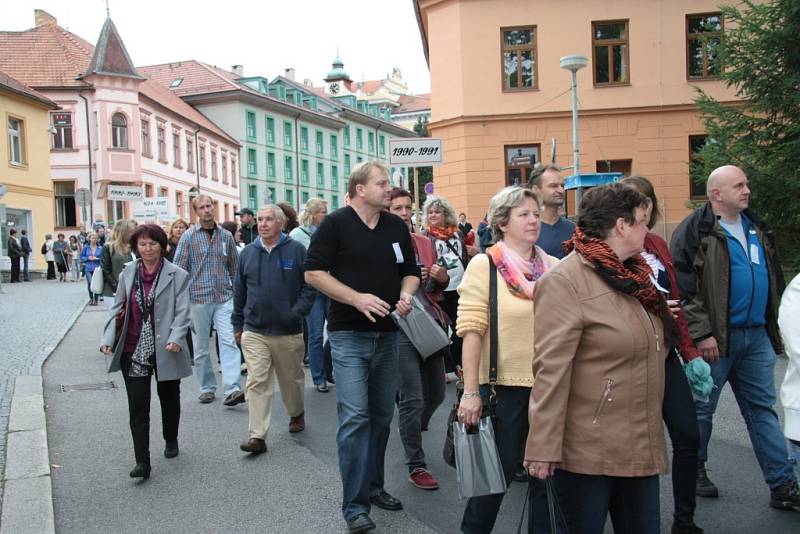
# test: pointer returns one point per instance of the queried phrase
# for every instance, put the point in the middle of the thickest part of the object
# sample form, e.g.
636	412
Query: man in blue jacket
270	300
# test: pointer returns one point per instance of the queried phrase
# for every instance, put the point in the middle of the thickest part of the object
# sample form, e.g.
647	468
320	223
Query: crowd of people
577	339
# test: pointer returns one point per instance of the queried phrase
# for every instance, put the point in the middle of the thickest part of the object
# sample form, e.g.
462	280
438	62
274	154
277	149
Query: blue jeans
230	360
749	367
320	366
366	368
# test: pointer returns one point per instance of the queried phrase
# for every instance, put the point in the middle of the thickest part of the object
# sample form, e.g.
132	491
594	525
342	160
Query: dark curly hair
153	231
601	207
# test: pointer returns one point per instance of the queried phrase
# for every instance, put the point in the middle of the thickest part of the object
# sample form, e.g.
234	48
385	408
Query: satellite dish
553	151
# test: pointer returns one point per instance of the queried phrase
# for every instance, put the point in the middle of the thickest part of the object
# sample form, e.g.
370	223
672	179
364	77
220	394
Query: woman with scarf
146	336
453	254
602	334
514	219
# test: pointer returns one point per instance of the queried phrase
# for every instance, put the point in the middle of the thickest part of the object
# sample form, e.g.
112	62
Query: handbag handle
556	515
493	334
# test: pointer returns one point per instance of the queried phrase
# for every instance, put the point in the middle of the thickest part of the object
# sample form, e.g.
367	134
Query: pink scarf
520	274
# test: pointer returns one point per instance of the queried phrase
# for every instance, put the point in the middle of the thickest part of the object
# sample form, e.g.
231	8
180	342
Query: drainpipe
91	178
197	158
297	158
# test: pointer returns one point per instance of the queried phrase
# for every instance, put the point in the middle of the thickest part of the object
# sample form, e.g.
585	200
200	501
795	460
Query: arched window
119	131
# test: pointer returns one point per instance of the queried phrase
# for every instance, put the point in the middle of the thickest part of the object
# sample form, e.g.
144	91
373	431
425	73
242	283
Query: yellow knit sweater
514	324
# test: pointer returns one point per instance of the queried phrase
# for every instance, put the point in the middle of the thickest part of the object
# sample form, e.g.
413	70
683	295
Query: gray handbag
427	335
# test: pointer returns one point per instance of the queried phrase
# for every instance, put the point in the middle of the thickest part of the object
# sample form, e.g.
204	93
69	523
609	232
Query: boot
704	487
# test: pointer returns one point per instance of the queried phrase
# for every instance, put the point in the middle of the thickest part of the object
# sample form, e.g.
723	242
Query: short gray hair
440	204
538	171
277	212
503	202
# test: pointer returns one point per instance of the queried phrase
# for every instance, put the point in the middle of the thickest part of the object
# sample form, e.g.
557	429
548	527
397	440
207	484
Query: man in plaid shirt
208	253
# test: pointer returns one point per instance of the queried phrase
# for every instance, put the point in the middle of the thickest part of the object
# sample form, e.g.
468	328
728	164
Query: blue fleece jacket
270	295
749	279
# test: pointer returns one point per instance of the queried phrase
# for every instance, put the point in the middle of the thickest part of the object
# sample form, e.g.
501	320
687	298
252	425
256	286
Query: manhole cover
88	387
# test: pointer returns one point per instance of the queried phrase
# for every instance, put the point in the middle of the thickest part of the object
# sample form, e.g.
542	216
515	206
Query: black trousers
15	269
681	420
138	390
450	307
51	270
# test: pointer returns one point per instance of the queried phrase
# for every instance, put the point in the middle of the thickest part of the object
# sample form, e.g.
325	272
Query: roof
370	86
110	57
10	84
196	77
411	104
337	71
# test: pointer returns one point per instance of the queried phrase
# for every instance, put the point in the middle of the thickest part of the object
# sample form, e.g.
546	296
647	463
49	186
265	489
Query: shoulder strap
454	251
492	323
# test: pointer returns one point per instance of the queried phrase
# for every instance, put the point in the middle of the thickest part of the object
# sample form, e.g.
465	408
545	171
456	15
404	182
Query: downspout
297	158
91	178
197	158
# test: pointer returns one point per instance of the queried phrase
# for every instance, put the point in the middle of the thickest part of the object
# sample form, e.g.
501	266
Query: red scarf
443	234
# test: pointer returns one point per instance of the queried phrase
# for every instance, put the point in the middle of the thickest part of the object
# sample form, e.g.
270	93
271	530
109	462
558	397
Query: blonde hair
361	173
174	223
313	206
121	236
503	202
440	204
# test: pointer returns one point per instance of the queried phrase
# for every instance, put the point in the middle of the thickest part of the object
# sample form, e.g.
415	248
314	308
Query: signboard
156	206
428	188
415	152
124	192
83	197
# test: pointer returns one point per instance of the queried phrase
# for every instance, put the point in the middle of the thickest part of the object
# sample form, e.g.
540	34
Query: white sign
124	192
415	152
156	206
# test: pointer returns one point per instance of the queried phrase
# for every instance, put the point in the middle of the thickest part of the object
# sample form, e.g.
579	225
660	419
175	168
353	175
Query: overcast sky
265	36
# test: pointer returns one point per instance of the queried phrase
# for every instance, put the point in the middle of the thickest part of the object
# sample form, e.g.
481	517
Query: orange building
497	91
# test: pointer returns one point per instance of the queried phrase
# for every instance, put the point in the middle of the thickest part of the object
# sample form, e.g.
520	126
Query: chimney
289	73
238	70
42	17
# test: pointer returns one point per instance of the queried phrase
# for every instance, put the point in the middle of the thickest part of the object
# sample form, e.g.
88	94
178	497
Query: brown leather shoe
297	423
254	446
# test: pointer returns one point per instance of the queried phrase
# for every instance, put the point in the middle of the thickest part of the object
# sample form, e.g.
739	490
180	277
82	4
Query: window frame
201	152
524	169
176	148
61	131
519	48
689	38
119	133
692	196
271	163
304	139
334	141
161	141
63	209
190	154
288	167
250	129
20	137
320	174
213	162
252	164
609	43
269	126
287	135
319	139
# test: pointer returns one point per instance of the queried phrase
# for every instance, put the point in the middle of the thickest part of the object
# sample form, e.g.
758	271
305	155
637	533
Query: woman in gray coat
146	335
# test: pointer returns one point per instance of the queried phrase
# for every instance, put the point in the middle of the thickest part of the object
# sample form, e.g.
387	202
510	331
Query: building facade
117	128
499	95
25	166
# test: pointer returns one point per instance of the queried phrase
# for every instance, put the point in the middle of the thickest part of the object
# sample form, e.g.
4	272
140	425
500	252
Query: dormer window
176	83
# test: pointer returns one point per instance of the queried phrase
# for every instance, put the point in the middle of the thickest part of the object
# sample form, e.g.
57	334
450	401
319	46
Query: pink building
118	128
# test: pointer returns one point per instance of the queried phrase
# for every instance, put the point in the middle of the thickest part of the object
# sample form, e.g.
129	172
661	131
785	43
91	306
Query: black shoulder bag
449	452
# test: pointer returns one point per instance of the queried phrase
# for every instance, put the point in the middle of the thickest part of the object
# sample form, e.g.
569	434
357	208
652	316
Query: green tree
760	54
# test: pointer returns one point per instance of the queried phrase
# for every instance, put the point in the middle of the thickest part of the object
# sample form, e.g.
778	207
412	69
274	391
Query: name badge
754	254
398	253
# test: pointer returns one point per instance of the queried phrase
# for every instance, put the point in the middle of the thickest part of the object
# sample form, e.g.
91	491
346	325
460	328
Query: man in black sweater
362	257
26	254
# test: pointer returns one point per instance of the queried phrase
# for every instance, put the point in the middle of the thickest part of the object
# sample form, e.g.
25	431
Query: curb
28	494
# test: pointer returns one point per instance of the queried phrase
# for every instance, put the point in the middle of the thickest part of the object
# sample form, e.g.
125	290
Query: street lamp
574	64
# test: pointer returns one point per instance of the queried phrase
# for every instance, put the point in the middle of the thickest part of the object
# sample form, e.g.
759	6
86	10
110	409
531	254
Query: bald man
730	283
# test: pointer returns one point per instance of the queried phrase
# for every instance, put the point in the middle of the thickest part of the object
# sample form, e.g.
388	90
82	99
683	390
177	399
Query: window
224	168
334	147
519	58
383	145
214	175
288	168
304	171
334	202
610	52
62	122
304	197
371	142
519	161
115	211
16	143
320	143
119	131
289	196
334	176
163	192
148	190
347	136
252	196
304	139
146	148
162	143
347	165
287	134
251	126
66	214
251	162
202	159
180	208
359	159
359	139
234	183
270	131
271	165
176	149
320	175
189	154
272	194
615	165
697	191
703	35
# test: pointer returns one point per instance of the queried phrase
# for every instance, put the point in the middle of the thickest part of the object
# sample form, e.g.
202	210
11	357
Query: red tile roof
409	104
370	86
10	84
197	77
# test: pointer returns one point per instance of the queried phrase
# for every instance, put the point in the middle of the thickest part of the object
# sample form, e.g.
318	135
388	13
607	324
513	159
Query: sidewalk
213	487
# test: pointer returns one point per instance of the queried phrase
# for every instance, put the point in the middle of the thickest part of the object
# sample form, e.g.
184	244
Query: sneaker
322	388
237	397
786	497
207	397
703	486
423	479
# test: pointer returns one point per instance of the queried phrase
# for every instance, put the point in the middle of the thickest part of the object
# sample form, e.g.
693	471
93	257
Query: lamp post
574	64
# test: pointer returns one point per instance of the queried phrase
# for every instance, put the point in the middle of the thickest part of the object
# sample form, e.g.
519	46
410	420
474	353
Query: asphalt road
213	487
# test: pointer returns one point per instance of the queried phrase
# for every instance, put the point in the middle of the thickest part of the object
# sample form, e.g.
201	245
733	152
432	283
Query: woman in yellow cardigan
514	219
